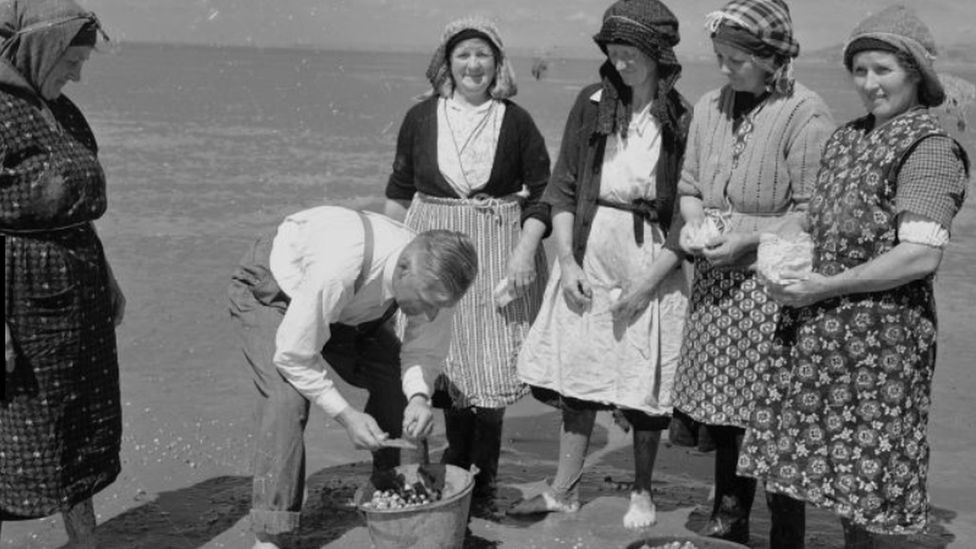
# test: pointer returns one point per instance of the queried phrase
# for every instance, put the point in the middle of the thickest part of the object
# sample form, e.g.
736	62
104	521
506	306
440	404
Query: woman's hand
798	289
686	238
575	286
521	267
724	250
631	304
9	355
117	299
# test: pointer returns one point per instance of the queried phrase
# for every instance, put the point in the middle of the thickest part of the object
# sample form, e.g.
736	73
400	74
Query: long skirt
481	365
60	419
590	356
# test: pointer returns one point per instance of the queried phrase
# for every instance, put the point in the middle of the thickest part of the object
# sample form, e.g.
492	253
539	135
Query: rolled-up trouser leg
278	462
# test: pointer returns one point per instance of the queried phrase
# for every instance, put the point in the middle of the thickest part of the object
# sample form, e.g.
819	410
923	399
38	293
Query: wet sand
187	416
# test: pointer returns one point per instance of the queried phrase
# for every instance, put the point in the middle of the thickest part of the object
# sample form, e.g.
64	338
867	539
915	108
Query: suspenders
369	242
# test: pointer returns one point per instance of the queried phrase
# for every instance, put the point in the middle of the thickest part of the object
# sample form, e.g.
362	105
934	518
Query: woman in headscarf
752	156
843	423
609	330
469	159
60	419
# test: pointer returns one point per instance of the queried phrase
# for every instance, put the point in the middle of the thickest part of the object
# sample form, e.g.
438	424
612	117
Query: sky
555	28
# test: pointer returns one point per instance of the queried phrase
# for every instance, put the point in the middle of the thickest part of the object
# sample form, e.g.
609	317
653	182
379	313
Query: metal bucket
438	525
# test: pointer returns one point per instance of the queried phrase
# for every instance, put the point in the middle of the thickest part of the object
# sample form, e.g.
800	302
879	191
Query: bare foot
642	513
543	503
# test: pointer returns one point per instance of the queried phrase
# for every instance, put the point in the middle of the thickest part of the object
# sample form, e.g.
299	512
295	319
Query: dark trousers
474	437
364	357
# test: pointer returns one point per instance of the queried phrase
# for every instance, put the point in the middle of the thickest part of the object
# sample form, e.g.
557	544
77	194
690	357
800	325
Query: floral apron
842	421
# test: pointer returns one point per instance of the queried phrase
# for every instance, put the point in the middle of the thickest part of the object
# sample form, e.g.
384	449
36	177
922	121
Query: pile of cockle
392	491
672	545
411	495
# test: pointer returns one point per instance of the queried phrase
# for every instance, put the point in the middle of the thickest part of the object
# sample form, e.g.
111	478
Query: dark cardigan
575	182
520	159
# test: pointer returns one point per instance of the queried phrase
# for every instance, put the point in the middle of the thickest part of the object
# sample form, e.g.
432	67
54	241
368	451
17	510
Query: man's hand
418	418
362	429
9	355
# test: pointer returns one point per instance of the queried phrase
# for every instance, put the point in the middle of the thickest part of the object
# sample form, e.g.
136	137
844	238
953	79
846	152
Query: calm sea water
291	126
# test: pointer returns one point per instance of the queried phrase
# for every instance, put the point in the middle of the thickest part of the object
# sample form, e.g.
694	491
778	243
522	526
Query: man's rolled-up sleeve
303	333
424	350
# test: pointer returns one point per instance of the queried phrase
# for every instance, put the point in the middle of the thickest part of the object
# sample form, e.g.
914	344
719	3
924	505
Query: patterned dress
752	162
842	421
60	419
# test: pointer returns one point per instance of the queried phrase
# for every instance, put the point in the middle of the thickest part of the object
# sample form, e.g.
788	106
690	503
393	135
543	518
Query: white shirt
316	258
467	139
629	168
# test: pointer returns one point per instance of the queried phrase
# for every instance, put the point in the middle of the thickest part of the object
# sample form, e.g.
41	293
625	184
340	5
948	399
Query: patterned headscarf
764	28
768	20
439	71
649	26
35	35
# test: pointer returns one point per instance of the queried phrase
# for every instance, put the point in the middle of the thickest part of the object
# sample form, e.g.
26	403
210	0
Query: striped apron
481	366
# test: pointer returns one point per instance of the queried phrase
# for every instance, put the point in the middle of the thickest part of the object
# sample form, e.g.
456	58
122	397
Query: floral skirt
842	422
728	337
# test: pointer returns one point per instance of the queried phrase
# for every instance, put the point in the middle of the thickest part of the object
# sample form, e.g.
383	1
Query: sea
201	125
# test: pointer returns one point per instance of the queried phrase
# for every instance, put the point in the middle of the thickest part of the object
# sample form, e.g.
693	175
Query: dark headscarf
649	26
35	35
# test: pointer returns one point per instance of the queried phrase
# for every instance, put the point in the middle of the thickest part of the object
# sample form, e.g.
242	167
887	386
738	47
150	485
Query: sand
187	417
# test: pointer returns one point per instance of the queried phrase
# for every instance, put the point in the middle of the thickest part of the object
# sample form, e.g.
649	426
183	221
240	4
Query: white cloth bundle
777	254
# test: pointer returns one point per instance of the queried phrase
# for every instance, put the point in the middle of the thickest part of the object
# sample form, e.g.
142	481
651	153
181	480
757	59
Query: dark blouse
520	159
48	179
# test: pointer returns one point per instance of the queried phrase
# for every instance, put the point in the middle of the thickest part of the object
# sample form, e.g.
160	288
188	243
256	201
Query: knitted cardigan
520	159
777	166
575	182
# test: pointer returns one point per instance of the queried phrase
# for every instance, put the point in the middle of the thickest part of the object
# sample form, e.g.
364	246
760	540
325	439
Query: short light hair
445	261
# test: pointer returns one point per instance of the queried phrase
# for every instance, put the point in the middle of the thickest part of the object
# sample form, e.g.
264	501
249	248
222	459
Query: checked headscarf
768	20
